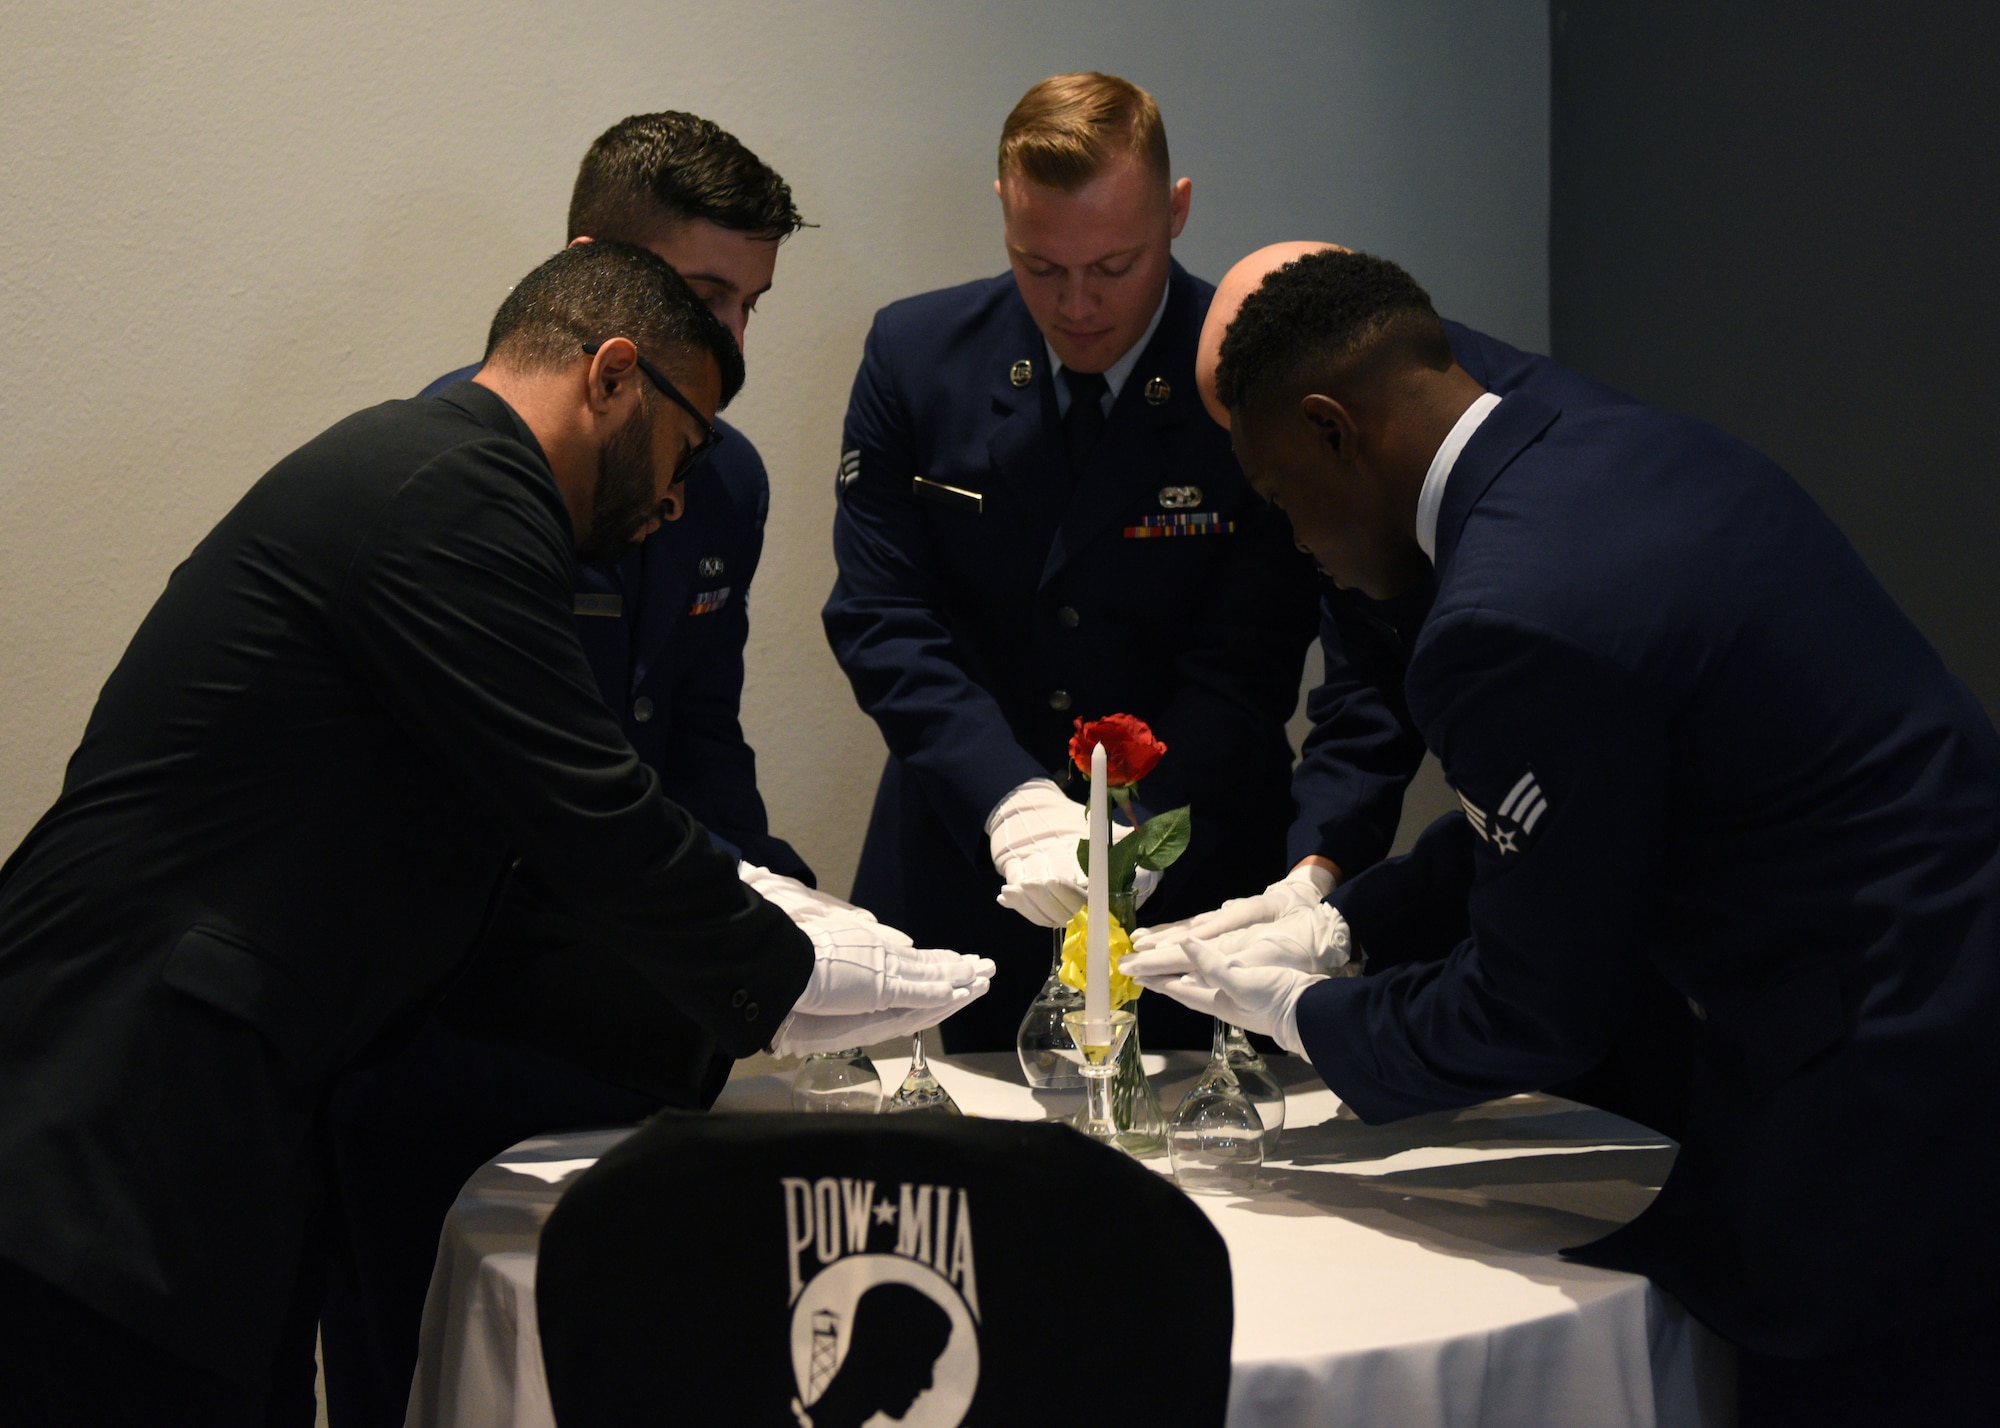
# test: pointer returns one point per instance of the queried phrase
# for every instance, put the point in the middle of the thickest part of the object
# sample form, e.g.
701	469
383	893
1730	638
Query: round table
1404	1274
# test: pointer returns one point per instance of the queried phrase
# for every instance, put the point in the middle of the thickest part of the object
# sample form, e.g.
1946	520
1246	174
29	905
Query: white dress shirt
1432	496
1117	372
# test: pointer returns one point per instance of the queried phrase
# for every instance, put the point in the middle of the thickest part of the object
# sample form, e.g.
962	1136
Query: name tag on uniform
709	601
957	497
1186	523
608	606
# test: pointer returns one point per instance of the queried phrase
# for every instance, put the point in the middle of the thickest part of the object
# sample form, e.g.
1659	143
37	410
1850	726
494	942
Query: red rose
1130	750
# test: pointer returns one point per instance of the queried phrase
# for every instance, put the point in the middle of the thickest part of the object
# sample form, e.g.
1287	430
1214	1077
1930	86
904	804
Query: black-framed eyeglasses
710	436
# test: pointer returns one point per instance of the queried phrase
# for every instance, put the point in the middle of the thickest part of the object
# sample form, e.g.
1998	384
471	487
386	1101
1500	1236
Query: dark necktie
1083	423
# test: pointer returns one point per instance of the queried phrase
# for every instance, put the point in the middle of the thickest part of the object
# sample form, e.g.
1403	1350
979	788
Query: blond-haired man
1038	523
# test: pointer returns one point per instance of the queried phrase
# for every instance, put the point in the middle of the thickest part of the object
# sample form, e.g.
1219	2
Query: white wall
226	225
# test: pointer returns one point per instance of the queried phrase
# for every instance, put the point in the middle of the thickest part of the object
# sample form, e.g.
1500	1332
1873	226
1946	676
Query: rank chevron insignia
1509	827
1475	815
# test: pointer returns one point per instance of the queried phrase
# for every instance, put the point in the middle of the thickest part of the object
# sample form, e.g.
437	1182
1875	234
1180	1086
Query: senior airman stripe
1525	803
1473	813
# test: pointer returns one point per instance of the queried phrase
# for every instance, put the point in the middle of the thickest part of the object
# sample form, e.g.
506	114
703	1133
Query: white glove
802	904
1264	999
803	1033
857	969
866	988
1311	939
1033	833
1305	886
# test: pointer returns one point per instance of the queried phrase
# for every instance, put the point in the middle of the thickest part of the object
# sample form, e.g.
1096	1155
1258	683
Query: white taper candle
1097	948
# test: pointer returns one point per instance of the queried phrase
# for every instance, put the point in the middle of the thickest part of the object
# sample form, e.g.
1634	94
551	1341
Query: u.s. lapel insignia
1511	826
1157	391
1022	373
1179	498
708	567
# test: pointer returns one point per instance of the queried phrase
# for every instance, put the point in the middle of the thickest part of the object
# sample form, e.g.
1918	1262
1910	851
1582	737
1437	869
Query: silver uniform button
1059	700
1068	618
642	709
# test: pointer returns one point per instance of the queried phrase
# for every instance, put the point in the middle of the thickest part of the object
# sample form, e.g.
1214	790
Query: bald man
1363	750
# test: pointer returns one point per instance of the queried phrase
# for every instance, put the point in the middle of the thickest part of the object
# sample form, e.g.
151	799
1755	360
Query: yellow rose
1075	940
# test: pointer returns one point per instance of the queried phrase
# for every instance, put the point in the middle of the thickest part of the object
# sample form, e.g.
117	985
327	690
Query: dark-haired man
1362	751
664	624
1036	523
1688	729
357	708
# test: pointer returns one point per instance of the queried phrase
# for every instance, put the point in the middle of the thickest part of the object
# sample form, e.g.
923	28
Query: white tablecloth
1402	1275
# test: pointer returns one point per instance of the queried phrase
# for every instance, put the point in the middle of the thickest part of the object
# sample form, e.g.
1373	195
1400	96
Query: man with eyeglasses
355	716
627	514
663	619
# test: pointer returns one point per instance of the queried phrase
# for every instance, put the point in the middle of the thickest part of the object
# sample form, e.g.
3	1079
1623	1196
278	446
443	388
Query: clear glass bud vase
1043	1043
1135	1105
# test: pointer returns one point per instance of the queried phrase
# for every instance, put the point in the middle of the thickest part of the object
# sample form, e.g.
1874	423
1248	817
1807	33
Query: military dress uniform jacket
982	606
356	705
1689	728
1362	751
665	633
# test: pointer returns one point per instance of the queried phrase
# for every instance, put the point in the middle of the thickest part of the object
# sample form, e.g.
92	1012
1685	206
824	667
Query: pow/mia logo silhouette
885	1303
1511	826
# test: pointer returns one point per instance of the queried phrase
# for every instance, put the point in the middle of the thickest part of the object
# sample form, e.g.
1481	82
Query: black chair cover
813	1271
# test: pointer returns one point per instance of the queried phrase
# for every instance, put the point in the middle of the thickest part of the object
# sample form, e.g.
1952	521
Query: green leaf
1162	838
1124	863
1124	860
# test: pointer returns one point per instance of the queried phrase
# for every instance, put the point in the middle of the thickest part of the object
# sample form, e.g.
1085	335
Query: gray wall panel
1785	219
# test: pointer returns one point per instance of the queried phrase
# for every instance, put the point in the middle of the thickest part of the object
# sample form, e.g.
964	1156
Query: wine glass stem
1097	1084
1218	1050
917	1063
